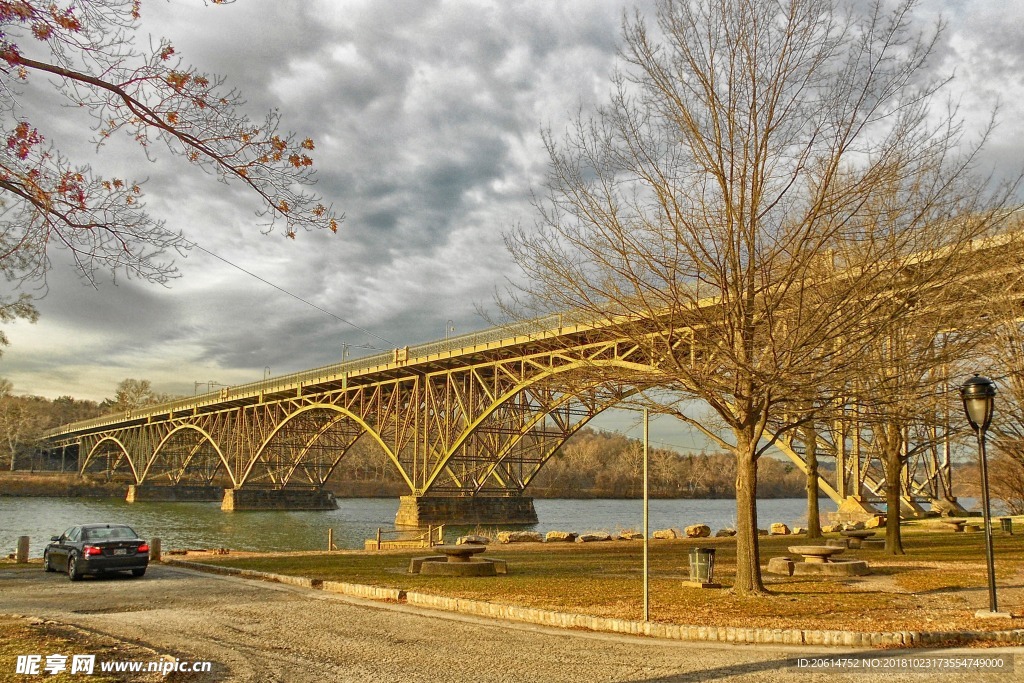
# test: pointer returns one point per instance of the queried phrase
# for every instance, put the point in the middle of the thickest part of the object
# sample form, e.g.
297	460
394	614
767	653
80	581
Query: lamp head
978	394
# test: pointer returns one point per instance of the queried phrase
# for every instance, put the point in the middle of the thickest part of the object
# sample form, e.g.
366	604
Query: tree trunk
748	563
893	491
811	456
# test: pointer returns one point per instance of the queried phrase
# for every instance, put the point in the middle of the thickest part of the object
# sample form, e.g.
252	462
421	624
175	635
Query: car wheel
73	572
141	571
46	562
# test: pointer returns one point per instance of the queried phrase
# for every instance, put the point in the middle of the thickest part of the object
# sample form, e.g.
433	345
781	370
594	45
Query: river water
204	525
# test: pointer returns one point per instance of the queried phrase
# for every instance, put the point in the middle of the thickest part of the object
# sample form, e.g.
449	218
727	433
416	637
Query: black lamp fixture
979	397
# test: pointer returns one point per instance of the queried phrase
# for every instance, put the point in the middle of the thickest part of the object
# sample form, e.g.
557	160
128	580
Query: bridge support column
150	494
419	511
278	499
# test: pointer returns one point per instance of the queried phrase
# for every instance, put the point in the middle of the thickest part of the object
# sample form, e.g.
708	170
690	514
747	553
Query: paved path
257	631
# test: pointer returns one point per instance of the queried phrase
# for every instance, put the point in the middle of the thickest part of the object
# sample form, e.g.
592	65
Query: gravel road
258	631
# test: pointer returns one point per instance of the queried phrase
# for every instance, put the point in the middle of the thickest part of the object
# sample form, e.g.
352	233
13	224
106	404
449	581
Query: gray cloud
426	117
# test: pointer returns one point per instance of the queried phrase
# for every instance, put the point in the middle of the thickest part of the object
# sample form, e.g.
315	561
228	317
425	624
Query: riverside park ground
936	587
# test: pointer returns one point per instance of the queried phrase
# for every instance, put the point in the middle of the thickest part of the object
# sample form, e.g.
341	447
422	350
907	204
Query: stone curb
721	634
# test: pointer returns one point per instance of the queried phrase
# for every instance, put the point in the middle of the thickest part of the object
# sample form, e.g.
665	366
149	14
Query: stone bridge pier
277	499
421	511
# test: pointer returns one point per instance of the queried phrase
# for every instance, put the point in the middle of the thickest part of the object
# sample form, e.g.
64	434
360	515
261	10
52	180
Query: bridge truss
474	416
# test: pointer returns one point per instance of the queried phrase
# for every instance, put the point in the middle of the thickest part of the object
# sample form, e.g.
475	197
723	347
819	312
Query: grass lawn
936	586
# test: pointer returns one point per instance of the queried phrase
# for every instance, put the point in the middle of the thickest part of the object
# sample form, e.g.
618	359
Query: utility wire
296	296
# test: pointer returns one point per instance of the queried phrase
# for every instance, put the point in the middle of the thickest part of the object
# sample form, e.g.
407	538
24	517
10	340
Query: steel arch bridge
467	422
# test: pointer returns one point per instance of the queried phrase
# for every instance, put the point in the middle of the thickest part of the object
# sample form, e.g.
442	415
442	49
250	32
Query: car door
59	551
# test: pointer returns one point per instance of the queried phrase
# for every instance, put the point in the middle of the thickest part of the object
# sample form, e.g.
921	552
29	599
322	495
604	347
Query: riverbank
936	588
57	484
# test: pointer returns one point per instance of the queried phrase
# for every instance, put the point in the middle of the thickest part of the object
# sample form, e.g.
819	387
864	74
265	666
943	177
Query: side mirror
54	538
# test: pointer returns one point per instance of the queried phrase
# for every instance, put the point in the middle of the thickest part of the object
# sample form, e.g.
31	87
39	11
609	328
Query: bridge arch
204	438
337	415
123	456
536	418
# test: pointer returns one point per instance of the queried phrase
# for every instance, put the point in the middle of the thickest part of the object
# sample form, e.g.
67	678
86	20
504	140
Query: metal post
378	538
989	557
647	528
330	539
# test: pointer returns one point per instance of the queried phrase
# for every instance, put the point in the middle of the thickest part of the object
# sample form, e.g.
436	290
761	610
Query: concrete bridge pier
139	493
420	511
277	499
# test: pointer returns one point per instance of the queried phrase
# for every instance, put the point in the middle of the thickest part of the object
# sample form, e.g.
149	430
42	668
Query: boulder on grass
875	522
559	537
726	532
779	529
592	537
631	536
667	534
698	531
472	539
519	537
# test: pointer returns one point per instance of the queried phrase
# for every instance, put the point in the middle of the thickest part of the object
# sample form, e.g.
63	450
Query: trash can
702	565
1007	524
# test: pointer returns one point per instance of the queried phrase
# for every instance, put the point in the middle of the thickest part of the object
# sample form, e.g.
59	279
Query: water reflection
204	525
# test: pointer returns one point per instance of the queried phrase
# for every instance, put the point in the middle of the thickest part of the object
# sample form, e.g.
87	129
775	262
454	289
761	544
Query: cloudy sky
427	118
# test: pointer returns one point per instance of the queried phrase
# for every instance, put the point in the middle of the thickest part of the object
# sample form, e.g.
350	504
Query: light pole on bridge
209	386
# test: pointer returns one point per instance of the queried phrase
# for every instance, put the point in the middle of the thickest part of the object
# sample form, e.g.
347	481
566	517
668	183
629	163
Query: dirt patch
24	635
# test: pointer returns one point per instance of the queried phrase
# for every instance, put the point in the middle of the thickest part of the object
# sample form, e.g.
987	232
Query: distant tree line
23	419
593	464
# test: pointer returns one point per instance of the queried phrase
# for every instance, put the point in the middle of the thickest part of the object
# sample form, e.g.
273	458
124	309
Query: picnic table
816	554
459	553
856	537
957	524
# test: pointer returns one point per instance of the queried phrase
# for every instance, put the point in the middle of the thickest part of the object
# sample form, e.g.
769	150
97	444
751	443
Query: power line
296	296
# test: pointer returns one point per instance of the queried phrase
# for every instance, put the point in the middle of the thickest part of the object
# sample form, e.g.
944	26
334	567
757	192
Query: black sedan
97	549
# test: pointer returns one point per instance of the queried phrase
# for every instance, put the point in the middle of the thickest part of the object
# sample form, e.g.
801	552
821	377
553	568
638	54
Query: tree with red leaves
88	52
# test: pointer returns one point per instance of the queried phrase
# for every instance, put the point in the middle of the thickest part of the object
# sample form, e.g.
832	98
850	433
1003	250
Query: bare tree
22	419
1004	361
88	52
719	209
135	393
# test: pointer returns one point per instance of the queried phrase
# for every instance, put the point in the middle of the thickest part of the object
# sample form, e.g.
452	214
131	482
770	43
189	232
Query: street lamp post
978	394
647	520
449	327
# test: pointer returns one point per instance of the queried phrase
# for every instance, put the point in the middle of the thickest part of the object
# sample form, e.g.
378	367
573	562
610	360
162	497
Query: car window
75	534
67	534
121	532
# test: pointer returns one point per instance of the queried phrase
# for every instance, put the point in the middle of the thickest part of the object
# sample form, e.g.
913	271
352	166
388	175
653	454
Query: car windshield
107	533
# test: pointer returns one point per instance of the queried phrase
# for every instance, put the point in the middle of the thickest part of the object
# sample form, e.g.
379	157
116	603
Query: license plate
120	551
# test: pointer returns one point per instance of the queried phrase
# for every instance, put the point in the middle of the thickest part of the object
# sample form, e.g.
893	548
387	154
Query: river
204	525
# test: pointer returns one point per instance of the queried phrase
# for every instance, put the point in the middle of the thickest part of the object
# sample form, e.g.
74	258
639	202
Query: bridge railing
453	344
